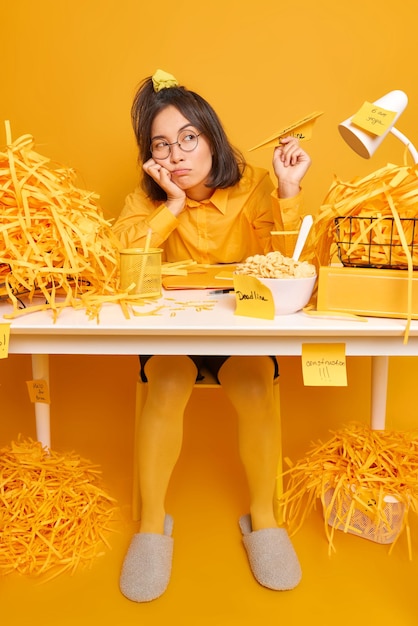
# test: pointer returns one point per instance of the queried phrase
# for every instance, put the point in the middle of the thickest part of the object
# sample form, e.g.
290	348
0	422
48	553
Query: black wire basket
373	241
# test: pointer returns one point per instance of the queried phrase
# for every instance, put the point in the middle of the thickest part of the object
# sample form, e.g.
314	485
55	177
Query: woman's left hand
290	164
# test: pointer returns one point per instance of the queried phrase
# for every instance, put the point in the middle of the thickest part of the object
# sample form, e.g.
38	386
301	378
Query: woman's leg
248	382
160	435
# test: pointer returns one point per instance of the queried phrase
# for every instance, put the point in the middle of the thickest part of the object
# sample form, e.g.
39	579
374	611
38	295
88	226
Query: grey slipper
272	557
146	569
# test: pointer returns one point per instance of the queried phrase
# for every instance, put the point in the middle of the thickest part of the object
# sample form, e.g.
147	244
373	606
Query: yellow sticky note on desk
38	391
253	299
4	340
373	119
324	365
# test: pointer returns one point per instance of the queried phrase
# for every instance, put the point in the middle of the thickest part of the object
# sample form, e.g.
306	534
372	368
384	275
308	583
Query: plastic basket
374	241
140	271
363	521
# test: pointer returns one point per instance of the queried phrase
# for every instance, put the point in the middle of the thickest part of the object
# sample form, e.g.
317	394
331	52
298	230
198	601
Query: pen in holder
140	271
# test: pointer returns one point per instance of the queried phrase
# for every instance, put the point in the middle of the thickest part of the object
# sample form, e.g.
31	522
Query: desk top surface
197	312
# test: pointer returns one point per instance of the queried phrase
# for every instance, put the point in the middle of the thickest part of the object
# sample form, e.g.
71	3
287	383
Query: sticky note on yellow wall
4	340
324	365
38	391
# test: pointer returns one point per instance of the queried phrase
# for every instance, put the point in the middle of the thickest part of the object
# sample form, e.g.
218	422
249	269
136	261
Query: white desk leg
380	371
40	371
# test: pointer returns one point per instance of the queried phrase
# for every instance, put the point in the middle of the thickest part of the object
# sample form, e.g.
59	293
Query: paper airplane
302	130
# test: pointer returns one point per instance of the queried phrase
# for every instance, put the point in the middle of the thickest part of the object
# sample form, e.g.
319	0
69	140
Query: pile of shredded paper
391	191
54	240
357	470
54	515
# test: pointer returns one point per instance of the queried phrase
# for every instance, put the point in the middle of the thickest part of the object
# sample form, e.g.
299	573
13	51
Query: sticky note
324	365
253	299
4	340
373	119
366	501
302	130
38	391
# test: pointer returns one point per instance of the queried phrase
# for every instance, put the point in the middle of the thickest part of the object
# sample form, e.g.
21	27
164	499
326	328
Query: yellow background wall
70	68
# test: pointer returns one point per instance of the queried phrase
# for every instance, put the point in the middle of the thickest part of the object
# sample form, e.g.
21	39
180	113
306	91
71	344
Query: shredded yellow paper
358	473
388	200
391	191
54	240
54	514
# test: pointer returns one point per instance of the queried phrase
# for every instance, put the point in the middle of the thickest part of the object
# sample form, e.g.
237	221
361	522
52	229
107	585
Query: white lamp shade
365	144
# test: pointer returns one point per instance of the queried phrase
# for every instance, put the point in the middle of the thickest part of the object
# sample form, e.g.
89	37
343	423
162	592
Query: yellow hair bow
163	80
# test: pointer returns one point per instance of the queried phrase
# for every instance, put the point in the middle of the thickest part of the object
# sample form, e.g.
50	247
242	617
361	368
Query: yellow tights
248	382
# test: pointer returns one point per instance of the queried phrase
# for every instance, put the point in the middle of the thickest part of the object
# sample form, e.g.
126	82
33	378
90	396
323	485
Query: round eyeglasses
187	141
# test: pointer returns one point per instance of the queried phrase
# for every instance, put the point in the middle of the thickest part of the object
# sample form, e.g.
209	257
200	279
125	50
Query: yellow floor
92	410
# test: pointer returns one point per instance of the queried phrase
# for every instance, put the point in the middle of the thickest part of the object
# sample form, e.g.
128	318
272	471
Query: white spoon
302	236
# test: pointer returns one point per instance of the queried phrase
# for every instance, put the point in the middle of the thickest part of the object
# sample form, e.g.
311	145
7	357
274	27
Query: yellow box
366	291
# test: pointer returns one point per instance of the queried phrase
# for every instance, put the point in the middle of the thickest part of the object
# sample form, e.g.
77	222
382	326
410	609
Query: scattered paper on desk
302	130
38	391
4	340
324	365
253	299
373	119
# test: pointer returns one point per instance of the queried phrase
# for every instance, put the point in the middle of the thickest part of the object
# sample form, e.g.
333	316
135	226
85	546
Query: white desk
181	326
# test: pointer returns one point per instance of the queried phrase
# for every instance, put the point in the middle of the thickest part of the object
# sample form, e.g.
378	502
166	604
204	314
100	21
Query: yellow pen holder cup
140	272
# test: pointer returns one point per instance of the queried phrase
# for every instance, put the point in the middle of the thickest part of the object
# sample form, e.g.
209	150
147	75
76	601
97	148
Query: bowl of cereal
290	282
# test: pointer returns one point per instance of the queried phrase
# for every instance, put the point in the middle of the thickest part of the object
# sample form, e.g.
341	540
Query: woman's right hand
176	197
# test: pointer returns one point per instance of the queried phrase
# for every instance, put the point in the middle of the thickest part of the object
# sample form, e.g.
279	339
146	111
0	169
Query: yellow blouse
227	228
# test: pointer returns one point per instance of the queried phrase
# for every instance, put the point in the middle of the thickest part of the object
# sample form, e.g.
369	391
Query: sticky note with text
373	119
324	365
253	299
38	391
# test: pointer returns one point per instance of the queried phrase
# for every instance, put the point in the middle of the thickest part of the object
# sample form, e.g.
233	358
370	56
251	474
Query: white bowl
289	294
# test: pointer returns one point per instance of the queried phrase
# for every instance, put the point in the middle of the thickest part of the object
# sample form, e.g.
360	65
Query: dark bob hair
227	162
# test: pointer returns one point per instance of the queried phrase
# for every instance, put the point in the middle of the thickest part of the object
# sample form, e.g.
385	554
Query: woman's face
189	170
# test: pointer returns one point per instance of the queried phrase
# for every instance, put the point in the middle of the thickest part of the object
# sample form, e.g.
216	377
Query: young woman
203	202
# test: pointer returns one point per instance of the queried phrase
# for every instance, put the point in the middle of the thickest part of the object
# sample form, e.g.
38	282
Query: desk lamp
366	143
